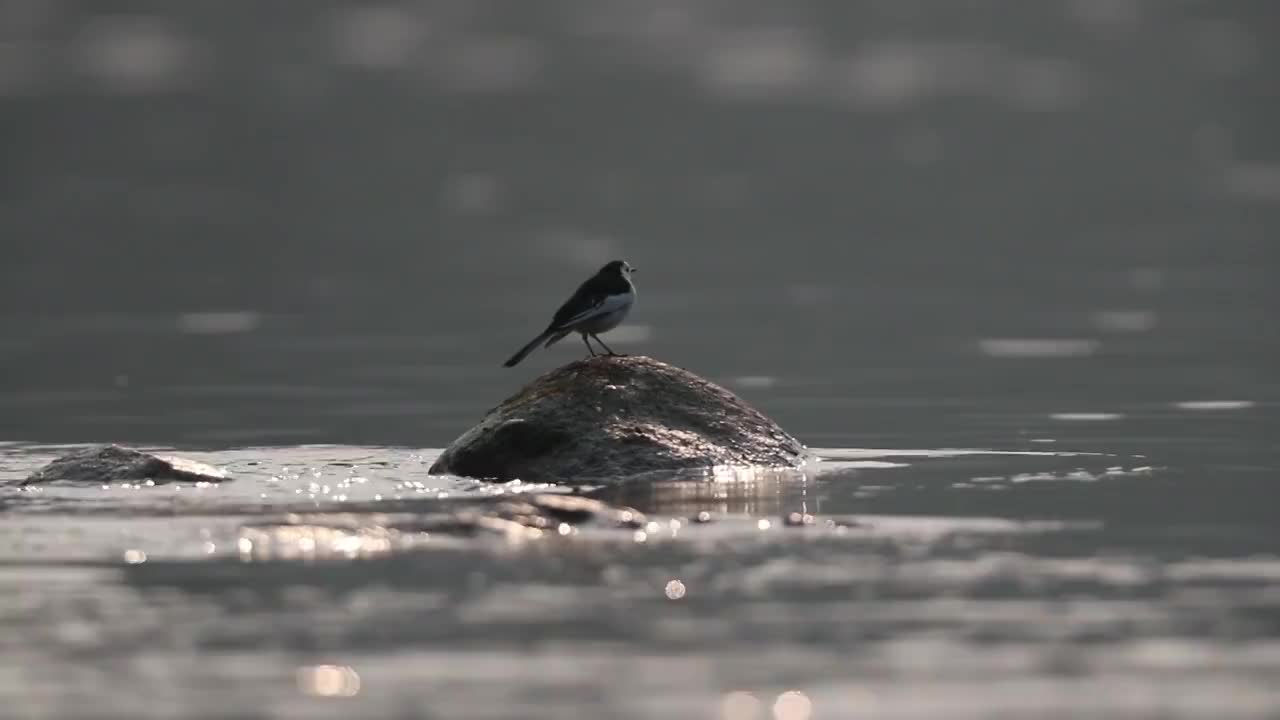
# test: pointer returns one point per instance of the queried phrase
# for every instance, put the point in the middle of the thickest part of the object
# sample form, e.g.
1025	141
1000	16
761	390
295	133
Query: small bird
598	305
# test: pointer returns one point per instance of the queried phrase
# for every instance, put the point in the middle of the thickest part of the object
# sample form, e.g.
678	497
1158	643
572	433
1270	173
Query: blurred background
230	223
1040	226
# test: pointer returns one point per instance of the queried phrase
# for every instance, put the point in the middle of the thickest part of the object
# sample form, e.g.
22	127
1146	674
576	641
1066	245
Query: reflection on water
329	681
1033	348
889	582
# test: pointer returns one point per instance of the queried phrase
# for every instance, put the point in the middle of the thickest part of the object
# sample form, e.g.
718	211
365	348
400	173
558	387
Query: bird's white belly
604	322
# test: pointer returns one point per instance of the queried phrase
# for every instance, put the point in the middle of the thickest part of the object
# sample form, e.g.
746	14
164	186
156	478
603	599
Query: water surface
971	583
1012	268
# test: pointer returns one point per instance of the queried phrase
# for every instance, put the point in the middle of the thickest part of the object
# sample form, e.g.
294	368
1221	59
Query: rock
106	464
335	533
542	510
610	418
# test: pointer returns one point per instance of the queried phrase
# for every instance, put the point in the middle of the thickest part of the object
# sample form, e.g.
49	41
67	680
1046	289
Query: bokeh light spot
675	590
792	705
328	680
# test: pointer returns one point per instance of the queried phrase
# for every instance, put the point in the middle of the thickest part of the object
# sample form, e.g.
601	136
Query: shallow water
957	583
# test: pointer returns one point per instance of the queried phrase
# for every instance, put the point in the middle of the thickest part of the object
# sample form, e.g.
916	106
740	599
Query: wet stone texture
106	464
610	418
339	534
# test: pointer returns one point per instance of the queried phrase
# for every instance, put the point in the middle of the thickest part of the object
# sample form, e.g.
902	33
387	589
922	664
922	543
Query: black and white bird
597	306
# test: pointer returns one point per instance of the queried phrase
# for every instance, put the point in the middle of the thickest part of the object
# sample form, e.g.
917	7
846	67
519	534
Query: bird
598	305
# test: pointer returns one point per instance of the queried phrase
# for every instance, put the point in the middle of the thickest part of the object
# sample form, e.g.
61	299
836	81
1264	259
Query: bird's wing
585	304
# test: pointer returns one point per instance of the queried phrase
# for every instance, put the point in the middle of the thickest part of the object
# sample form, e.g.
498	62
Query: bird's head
617	267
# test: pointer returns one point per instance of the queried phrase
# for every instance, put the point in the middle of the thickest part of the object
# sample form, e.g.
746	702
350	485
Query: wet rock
540	512
336	535
106	464
609	418
544	509
798	519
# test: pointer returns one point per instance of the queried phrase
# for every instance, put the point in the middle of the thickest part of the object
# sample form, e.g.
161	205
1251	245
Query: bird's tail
555	337
523	352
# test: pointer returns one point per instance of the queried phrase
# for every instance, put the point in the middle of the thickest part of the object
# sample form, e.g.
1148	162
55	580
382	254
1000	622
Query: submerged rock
607	418
105	464
332	533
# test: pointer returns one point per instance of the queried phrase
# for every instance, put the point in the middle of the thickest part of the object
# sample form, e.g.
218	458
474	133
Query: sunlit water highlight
881	582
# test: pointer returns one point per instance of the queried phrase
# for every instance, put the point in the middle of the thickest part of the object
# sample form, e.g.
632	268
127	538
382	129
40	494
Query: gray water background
298	240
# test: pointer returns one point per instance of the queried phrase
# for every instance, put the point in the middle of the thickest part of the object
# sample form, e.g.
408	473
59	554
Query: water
1062	578
1004	526
1012	271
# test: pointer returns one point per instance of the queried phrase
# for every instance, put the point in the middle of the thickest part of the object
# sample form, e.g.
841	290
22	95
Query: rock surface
611	418
334	533
111	463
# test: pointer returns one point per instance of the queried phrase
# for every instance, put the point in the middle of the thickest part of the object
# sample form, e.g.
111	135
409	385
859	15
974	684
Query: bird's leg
588	344
606	347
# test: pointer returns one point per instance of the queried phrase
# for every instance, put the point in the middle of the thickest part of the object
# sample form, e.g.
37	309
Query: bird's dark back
609	281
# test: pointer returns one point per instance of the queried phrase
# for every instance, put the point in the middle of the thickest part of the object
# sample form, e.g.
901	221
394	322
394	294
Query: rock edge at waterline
105	464
610	418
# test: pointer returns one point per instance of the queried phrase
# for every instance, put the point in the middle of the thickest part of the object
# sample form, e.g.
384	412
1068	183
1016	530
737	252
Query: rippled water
956	583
